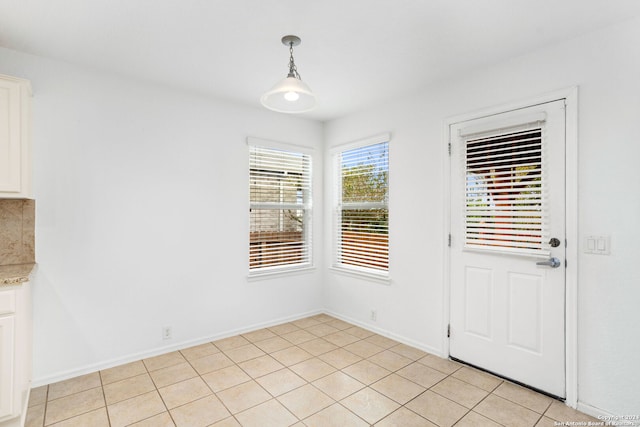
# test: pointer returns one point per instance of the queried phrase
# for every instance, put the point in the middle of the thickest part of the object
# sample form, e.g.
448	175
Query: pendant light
291	94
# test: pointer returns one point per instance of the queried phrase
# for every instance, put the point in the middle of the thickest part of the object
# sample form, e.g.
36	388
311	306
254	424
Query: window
280	209
362	212
505	193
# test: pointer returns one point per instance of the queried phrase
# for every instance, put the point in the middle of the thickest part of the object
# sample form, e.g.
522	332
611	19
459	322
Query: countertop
15	274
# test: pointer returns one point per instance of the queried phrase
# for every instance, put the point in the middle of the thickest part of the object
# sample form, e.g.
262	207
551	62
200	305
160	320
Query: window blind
362	212
280	206
506	194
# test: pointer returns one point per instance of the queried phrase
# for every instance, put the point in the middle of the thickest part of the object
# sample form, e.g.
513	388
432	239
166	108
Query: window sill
263	275
360	274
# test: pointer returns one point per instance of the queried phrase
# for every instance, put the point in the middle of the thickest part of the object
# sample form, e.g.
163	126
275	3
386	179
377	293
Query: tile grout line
366	386
157	390
69	395
391	372
104	398
334	401
256	378
46	405
476	405
287	367
387	362
251	379
492	392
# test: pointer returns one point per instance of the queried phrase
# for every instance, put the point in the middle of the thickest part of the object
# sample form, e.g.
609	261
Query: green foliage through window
363	239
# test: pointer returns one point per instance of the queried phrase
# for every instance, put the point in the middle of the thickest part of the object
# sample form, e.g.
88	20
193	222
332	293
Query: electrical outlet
166	333
374	315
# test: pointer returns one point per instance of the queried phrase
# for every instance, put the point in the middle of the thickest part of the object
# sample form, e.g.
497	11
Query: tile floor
317	371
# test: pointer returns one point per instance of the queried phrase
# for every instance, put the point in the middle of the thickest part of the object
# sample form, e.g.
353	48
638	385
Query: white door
507	311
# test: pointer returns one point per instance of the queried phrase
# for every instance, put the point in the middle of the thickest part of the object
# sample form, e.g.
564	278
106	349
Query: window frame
306	206
375	274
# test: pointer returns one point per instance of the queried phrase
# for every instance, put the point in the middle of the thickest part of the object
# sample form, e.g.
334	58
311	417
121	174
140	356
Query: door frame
570	95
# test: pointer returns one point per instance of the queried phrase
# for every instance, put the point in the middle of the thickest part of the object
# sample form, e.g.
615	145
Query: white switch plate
599	245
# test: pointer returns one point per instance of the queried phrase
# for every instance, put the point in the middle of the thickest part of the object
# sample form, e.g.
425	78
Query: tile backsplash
17	231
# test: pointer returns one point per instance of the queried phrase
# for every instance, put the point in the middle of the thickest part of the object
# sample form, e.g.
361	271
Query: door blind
506	194
280	203
362	213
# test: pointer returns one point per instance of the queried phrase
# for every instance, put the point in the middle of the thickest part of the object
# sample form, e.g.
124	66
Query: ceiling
354	53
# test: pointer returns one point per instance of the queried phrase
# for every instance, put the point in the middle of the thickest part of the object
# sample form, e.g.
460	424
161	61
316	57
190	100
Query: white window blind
506	194
280	209
362	214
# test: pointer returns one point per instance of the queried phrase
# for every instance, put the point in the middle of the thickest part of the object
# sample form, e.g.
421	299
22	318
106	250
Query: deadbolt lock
554	242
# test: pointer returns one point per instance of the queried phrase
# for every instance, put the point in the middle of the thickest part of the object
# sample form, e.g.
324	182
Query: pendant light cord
293	70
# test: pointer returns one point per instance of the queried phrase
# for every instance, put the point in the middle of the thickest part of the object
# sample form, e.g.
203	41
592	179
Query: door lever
551	262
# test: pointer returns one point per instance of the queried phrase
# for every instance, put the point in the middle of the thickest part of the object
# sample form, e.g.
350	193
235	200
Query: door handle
551	262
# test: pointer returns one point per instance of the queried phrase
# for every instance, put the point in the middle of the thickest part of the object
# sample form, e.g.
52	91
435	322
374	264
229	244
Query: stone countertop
15	274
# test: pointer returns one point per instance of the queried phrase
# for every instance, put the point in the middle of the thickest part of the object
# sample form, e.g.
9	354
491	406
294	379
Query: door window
505	194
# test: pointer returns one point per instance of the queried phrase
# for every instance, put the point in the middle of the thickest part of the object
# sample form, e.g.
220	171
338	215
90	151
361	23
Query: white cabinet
15	160
15	353
7	338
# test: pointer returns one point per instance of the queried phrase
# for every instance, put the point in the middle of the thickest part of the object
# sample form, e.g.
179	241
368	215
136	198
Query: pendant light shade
291	94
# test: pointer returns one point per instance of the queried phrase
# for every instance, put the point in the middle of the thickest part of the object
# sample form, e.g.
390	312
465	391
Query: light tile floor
317	371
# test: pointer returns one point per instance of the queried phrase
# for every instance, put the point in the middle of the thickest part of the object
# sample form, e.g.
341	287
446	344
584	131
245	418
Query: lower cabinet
15	353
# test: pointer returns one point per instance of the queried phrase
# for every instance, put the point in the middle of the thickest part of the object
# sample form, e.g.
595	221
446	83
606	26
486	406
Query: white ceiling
354	53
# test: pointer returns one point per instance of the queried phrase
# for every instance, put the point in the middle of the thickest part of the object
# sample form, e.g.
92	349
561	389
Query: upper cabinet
15	156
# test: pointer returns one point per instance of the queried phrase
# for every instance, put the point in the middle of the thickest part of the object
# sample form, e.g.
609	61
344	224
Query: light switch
600	245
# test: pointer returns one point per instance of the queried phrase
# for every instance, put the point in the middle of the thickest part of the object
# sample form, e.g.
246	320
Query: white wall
606	67
142	217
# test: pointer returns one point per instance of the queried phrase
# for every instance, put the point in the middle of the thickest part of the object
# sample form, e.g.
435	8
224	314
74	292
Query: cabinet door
10	161
6	365
12	151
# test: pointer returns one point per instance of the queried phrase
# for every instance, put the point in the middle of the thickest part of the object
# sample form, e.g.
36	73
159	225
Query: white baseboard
94	367
13	422
594	412
384	332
